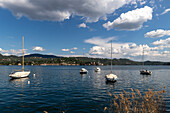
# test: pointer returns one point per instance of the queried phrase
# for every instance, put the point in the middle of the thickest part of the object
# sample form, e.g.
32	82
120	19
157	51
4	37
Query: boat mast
143	59
111	56
23	53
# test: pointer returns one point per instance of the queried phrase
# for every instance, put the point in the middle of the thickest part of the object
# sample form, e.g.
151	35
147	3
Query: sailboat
111	77
20	73
83	71
143	71
97	69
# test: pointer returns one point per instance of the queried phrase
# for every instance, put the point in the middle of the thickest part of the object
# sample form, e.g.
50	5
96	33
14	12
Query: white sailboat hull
19	74
97	69
83	71
145	72
111	77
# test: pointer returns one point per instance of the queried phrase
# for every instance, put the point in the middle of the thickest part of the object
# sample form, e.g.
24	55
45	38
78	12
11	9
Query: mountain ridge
42	59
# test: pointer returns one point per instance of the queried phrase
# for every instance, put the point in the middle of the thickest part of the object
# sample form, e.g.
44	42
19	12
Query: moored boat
111	77
20	73
145	72
97	69
83	71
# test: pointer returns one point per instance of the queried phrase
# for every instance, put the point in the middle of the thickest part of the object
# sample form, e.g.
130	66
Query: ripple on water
62	88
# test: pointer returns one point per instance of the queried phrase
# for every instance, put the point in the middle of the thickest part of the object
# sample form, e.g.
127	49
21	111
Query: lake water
61	88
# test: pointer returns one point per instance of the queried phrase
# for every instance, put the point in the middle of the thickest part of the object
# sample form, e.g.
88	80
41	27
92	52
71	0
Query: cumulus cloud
82	25
162	42
166	52
65	49
166	10
38	48
1	50
99	41
74	48
157	33
12	52
132	20
72	52
60	10
128	50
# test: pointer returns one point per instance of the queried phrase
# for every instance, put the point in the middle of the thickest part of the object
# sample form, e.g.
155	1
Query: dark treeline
39	59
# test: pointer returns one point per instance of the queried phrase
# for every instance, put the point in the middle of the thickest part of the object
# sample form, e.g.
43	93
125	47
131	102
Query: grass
134	102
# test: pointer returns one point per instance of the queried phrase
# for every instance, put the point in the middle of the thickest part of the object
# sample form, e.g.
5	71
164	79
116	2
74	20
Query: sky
86	28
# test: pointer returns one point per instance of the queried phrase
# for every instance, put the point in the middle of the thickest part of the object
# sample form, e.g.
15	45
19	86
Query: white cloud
128	50
166	52
60	10
38	48
82	25
6	54
143	2
157	33
65	49
72	55
75	48
72	52
12	52
99	41
167	10
1	49
162	42
132	20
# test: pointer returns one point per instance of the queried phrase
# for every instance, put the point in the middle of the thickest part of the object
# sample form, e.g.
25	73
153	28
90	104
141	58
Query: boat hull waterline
83	71
145	72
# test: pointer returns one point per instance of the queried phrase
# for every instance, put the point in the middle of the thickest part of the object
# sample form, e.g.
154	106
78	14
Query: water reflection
99	72
146	77
19	82
61	86
82	75
110	83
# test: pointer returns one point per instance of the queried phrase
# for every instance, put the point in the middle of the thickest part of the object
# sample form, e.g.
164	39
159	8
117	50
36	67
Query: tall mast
111	56
23	53
143	59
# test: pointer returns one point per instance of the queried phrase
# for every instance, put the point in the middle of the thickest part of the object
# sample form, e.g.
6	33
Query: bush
134	102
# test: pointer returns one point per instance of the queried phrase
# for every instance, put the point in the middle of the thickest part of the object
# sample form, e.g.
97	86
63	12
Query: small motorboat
111	78
145	72
83	71
97	69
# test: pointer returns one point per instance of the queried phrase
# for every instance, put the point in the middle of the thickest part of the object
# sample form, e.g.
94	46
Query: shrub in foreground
134	102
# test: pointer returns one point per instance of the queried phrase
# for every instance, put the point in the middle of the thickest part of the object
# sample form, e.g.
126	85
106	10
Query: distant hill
38	59
42	56
1	55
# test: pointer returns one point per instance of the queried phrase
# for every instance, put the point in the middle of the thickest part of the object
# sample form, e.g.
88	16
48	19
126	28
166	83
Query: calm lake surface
61	88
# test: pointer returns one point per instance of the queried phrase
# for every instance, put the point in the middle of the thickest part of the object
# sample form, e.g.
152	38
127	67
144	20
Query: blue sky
77	27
